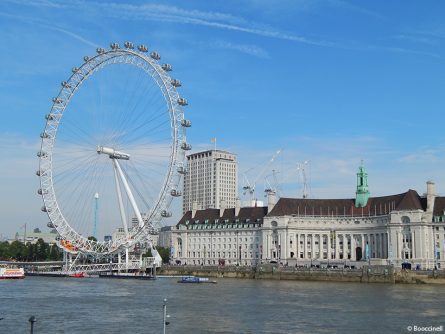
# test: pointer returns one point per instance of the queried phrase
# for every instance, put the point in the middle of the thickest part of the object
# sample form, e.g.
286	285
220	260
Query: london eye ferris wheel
116	133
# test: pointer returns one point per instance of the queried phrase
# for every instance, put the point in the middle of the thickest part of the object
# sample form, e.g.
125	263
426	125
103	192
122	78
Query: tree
41	250
54	253
164	253
4	250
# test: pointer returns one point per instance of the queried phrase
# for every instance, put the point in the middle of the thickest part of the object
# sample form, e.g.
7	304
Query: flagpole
24	235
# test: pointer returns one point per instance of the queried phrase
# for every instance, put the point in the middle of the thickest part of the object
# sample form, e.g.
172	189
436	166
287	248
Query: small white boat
193	279
12	273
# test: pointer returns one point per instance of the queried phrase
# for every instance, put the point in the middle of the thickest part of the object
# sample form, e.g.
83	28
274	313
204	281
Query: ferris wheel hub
112	153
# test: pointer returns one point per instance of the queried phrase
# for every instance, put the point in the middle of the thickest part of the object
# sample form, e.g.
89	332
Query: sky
331	82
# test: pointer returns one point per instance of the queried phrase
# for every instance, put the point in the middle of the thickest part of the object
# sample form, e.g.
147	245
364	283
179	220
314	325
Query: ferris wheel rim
179	145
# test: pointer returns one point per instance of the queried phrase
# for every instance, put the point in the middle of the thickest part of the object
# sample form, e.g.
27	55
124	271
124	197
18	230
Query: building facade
398	229
211	180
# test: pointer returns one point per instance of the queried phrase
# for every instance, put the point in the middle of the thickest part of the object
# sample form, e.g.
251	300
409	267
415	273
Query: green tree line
40	251
164	252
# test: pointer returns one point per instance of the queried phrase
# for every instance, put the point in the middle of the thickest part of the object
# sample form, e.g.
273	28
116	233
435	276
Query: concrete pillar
312	246
337	248
363	246
353	257
304	246
329	246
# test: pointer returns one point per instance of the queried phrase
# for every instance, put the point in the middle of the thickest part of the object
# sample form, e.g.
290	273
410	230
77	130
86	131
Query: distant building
211	180
36	234
165	236
404	230
119	233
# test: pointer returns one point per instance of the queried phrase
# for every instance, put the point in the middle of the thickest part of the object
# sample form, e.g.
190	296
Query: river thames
96	305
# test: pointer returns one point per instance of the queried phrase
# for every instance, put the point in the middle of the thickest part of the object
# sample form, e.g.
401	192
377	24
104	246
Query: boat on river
193	279
79	274
12	273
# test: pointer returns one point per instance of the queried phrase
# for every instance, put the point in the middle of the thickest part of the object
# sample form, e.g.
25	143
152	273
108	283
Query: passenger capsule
155	55
65	84
181	170
186	123
49	117
176	83
142	48
175	193
44	135
129	45
114	46
42	192
38	173
45	209
57	100
167	67
50	225
100	51
165	213
186	147
75	69
86	59
182	101
41	154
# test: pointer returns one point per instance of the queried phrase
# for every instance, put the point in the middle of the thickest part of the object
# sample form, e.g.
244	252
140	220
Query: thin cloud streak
50	27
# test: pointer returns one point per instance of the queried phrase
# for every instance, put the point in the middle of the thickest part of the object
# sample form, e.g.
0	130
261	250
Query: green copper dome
362	193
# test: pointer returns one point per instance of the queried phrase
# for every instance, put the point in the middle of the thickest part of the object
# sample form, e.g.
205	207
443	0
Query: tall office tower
211	180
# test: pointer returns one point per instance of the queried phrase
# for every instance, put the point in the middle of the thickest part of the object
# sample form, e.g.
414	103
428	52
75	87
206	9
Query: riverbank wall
366	274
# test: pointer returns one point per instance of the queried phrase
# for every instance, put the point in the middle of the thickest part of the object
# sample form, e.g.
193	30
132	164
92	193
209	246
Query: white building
210	180
403	228
165	236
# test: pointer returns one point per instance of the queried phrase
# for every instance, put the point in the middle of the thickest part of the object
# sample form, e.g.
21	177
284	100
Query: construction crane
301	168
272	186
249	188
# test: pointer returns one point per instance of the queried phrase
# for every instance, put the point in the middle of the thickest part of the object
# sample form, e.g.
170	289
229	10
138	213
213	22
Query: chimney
237	206
430	196
222	207
271	200
194	208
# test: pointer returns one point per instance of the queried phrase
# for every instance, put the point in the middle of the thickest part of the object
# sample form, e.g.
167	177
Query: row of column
335	246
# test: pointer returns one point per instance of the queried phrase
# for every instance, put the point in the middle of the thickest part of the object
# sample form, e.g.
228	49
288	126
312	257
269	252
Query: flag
213	140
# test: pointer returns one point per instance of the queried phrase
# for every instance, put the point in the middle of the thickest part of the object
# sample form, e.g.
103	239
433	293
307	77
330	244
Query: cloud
52	26
252	50
174	14
349	6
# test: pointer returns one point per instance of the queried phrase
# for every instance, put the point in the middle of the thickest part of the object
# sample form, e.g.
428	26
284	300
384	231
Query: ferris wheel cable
123	118
136	120
154	117
163	122
70	164
145	139
141	197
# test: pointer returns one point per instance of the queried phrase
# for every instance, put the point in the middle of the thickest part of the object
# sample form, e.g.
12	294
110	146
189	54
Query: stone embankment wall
367	274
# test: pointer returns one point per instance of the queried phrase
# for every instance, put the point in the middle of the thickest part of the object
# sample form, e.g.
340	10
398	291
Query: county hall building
403	228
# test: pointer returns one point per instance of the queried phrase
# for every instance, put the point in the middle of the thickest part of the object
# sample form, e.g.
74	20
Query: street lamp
165	316
32	320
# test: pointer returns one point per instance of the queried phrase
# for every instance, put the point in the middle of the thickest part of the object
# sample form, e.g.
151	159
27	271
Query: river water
98	305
